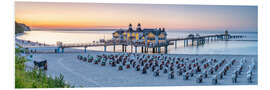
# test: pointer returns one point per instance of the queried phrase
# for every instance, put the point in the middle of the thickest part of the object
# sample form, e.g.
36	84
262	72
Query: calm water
216	47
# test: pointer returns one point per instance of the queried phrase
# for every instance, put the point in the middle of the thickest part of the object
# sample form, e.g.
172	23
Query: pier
202	39
146	40
145	48
193	41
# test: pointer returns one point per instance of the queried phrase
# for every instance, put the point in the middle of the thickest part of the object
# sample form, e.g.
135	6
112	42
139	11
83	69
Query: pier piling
131	48
135	49
184	42
105	48
114	47
85	49
159	49
123	48
62	50
58	50
166	49
192	42
175	43
145	49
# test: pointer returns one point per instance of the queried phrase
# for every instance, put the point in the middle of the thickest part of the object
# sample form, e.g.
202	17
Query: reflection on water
220	47
211	47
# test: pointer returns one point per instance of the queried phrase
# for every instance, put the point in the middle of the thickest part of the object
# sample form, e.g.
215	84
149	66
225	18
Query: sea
242	46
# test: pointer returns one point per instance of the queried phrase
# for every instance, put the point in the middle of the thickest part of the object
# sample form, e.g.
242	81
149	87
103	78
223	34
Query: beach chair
128	66
180	72
171	75
186	76
138	67
199	79
153	68
103	63
234	78
156	73
165	70
220	75
41	64
214	80
113	64
120	68
205	74
90	59
144	71
249	78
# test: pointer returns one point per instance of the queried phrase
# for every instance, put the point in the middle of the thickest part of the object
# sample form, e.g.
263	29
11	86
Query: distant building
150	36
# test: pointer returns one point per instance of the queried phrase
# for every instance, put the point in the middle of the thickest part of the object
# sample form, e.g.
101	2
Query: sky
52	15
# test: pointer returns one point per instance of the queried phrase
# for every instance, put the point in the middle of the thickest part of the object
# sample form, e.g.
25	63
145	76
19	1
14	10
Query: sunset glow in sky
41	15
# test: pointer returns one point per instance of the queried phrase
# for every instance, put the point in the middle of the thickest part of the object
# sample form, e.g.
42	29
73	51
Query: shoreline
19	34
81	51
179	50
172	50
50	50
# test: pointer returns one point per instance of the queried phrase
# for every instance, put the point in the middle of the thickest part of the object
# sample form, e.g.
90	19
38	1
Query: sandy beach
85	74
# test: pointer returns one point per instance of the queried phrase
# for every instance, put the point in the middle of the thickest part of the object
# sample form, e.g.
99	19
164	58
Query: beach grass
35	78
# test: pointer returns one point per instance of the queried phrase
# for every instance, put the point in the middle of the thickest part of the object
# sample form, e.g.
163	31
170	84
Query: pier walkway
195	40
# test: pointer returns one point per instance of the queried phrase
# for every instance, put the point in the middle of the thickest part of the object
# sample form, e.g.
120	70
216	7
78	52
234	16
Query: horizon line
96	29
